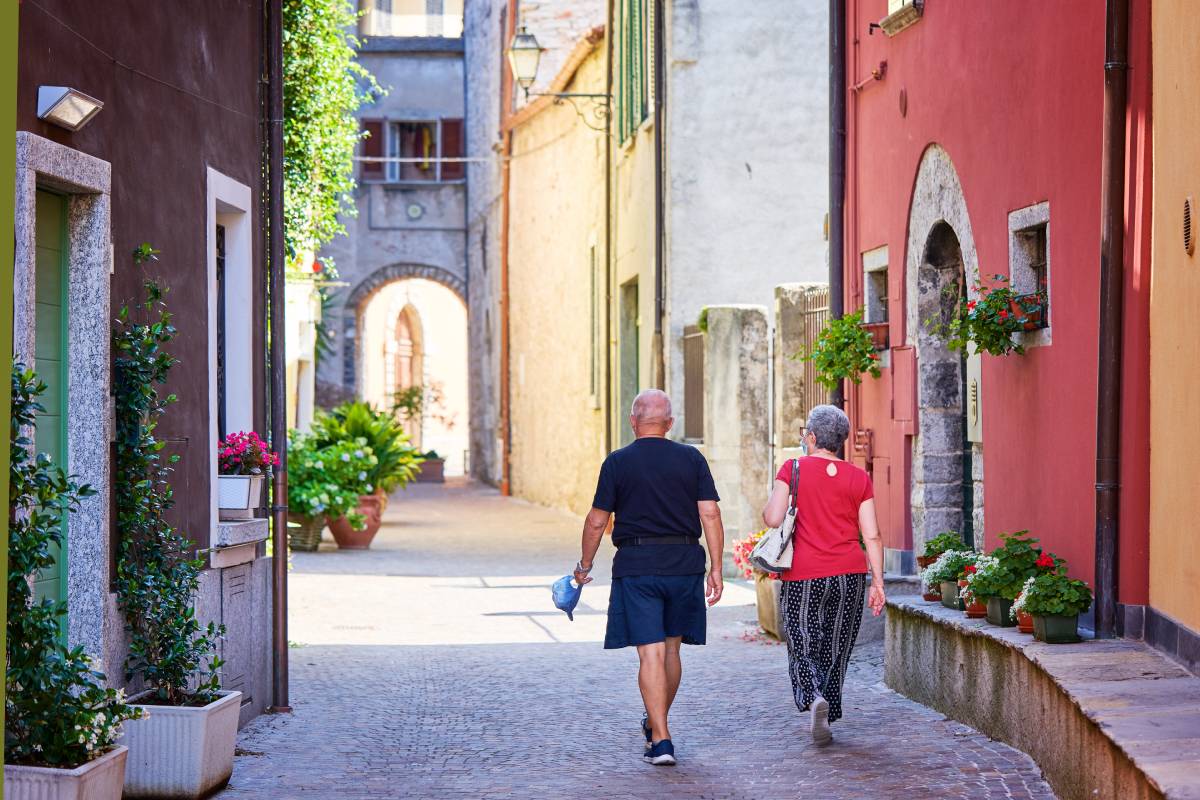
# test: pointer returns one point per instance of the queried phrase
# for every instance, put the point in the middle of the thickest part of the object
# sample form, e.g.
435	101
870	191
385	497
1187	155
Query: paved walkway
433	666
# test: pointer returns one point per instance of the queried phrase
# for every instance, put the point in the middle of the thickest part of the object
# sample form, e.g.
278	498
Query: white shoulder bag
773	553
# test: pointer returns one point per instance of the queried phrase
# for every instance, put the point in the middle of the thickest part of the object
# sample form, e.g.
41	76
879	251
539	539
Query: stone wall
736	413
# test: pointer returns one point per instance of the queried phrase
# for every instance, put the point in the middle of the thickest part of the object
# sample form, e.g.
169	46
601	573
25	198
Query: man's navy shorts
643	609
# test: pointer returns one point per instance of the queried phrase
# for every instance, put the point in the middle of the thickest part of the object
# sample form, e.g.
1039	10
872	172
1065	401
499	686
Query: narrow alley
435	666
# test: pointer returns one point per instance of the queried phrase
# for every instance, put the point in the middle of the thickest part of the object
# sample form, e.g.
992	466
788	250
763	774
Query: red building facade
956	172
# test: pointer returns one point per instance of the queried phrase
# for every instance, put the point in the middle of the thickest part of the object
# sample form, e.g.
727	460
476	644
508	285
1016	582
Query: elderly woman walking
821	600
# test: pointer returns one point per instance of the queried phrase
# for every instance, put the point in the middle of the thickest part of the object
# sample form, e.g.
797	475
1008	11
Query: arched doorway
942	266
405	362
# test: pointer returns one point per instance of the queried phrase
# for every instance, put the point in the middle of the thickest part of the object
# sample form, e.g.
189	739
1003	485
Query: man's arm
594	525
714	537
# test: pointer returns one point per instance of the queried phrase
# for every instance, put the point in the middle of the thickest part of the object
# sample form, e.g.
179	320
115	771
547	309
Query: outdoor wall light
524	54
66	107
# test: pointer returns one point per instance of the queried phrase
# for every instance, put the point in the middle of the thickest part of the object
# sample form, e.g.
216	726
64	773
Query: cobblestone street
435	666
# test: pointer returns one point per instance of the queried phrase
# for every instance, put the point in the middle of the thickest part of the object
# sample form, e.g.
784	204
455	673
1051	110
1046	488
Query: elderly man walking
662	494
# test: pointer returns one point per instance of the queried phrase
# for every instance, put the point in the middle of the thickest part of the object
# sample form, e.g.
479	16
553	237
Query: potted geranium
999	576
61	720
243	460
950	540
432	469
1055	602
989	322
184	747
946	573
844	350
765	587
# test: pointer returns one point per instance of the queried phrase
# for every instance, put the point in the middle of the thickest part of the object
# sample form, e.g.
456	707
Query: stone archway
947	470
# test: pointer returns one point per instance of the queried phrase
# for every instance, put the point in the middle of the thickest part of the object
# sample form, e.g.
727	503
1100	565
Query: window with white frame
875	285
1029	255
403	151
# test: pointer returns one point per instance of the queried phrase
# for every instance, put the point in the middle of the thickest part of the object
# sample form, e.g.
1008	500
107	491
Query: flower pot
306	537
999	612
925	561
1024	622
1030	320
950	594
432	470
371	507
1056	628
182	752
99	779
879	334
239	496
766	592
932	593
976	609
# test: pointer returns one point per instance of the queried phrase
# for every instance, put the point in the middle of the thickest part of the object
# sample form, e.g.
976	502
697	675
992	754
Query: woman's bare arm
776	508
869	525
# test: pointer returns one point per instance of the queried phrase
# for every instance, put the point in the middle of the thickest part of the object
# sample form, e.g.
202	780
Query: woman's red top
825	542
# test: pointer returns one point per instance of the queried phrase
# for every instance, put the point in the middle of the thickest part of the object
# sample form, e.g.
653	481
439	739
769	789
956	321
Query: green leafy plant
989	322
396	459
1053	594
1004	571
843	350
58	711
951	566
950	540
323	87
702	320
431	455
157	579
327	480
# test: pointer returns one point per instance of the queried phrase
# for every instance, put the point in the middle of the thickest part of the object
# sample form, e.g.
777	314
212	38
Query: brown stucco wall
179	84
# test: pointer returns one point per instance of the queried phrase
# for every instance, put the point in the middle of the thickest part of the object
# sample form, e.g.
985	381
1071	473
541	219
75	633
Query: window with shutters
405	151
635	50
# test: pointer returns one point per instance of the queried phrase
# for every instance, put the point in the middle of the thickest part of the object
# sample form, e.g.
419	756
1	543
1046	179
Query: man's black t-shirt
653	485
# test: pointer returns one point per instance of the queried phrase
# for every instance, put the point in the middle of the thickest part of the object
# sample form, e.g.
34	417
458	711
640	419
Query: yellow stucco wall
1174	321
556	197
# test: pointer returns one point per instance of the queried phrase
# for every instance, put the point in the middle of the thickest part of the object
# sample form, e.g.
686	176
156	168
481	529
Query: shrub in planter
843	350
61	722
432	469
765	592
950	540
171	653
396	460
1055	602
947	571
989	322
243	461
325	482
999	576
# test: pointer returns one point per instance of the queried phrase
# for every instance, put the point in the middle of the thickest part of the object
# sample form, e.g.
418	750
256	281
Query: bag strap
794	487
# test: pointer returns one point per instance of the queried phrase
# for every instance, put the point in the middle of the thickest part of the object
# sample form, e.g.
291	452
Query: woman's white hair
830	425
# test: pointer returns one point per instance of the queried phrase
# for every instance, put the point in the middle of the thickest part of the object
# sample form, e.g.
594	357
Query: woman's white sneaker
820	721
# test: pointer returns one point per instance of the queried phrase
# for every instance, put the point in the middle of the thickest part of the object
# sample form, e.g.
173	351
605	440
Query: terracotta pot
976	610
1024	622
879	334
925	561
932	596
432	470
1030	321
371	507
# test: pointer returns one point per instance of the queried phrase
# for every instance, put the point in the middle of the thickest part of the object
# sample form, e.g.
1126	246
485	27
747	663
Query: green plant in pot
999	576
1055	602
946	572
172	654
844	350
950	540
59	714
396	459
989	321
324	483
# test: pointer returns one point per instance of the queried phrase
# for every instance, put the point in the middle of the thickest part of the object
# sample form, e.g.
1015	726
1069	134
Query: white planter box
182	753
99	779
238	496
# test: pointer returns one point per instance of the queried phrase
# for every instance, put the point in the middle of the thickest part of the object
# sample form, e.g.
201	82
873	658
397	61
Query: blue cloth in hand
566	595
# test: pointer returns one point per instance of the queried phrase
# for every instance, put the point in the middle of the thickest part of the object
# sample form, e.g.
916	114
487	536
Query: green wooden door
51	357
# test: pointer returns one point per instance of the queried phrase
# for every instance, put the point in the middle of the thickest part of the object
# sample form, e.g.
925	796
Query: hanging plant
58	711
843	350
990	321
157	581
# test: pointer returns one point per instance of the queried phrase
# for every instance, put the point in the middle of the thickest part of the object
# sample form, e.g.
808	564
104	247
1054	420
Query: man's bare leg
656	688
674	669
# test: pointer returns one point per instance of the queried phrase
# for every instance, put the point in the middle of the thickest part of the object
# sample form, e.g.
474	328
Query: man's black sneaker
661	754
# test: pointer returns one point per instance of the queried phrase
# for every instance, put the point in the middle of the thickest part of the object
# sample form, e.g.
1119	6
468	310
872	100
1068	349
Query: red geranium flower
1045	561
1003	315
971	305
969	569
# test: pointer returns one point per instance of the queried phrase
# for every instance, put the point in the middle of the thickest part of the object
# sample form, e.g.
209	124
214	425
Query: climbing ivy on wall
323	87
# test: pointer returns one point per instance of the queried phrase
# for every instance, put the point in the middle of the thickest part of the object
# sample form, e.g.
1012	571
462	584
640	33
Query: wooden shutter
372	147
452	147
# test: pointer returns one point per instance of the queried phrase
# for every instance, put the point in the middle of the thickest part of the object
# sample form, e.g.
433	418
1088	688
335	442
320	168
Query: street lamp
66	107
524	54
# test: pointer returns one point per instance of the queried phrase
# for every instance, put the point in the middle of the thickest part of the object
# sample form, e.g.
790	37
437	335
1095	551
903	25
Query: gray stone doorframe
940	252
93	621
359	296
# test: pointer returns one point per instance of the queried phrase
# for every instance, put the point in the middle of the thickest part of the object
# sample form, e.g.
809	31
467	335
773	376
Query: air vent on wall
1189	238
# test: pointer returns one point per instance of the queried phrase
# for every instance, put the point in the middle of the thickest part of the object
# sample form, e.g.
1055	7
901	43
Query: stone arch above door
381	277
947	471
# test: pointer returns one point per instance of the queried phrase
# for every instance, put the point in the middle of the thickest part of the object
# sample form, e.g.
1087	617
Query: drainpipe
660	231
1112	276
837	166
506	95
276	362
608	234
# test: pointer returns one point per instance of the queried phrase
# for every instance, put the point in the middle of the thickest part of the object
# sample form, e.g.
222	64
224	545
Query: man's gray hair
830	425
651	407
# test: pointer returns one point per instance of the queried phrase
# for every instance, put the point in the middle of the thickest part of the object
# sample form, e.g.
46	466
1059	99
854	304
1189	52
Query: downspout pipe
837	168
660	230
608	233
276	356
506	98
1112	277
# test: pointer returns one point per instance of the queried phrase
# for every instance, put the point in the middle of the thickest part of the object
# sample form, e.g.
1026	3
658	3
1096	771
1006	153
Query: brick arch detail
381	277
